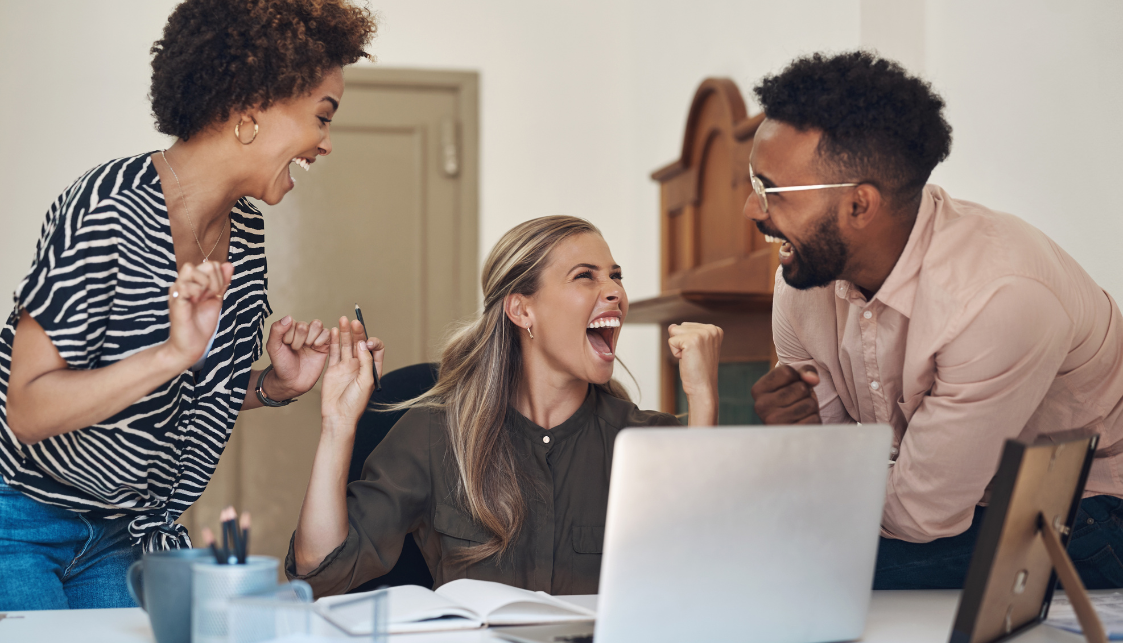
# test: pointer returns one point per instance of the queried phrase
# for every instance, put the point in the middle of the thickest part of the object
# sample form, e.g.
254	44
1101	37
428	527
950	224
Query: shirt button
867	314
875	385
546	439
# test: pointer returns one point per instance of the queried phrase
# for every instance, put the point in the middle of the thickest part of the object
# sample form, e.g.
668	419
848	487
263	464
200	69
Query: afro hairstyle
217	57
879	124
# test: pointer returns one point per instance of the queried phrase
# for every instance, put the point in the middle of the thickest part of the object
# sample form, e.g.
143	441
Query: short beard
821	259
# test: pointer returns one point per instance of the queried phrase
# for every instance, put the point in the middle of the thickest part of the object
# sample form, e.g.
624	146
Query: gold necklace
187	211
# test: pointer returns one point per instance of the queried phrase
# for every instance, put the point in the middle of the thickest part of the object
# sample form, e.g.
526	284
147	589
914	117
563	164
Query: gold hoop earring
238	134
530	333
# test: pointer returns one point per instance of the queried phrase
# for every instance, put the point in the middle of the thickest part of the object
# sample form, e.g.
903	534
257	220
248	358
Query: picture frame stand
1074	588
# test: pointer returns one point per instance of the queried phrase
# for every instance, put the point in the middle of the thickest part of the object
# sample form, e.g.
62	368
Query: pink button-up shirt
984	330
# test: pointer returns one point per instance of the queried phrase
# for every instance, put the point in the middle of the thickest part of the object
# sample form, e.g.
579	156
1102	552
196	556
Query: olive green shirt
407	488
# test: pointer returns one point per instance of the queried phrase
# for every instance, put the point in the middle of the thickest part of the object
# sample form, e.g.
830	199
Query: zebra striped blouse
98	286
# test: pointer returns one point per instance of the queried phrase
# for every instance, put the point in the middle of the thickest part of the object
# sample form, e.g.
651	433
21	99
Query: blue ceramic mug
160	582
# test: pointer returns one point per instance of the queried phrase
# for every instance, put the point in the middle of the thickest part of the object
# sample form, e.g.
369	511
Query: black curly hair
880	125
220	56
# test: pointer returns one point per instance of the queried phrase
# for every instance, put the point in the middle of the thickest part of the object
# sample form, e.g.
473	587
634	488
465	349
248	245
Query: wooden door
388	220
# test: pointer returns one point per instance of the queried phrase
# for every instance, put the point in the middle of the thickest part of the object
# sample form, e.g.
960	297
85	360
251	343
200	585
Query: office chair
397	386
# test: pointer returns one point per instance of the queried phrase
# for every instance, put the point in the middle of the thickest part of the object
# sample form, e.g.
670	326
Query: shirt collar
899	290
579	420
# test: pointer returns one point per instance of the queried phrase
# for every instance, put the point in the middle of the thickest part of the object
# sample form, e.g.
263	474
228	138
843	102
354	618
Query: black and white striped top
98	286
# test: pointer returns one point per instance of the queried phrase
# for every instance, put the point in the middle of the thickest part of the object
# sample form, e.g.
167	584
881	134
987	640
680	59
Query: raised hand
298	351
698	349
194	304
349	380
786	396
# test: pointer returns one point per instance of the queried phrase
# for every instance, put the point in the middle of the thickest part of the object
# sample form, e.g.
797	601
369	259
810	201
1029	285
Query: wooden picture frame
1020	551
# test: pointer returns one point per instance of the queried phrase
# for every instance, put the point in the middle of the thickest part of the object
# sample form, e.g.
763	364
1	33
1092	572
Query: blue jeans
1095	546
51	558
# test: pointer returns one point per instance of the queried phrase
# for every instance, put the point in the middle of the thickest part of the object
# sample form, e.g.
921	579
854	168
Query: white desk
895	617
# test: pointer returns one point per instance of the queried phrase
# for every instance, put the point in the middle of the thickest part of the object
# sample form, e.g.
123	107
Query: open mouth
600	333
302	162
786	250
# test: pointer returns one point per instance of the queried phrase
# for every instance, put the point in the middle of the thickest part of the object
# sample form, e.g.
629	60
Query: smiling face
814	252
577	311
294	131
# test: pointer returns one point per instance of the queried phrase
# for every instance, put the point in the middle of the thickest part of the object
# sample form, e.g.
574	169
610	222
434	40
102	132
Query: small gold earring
237	132
530	333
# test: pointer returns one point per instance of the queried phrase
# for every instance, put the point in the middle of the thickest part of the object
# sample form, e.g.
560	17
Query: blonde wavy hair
479	374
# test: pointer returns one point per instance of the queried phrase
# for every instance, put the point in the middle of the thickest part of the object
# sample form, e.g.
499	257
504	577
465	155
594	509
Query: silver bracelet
261	391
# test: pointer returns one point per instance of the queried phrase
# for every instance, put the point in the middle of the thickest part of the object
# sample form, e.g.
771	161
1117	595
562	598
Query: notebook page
501	604
412	609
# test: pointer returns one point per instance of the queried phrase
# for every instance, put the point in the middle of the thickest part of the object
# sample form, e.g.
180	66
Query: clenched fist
194	304
786	396
698	349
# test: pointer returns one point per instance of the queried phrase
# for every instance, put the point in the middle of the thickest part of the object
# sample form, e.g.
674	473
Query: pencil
245	525
359	316
208	541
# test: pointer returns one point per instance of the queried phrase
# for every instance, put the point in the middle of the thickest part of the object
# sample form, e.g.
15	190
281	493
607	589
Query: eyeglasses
762	192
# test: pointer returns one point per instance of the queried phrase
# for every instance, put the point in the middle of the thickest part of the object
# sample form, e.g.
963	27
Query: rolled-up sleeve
389	501
791	352
1001	358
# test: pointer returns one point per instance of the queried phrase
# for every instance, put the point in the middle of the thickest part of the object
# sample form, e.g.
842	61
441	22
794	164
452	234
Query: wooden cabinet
716	266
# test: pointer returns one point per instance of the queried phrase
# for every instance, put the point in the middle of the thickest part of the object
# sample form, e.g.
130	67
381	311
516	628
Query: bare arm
698	349
348	382
47	398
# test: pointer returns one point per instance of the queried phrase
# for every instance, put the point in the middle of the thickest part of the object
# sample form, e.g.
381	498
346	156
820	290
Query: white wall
1033	91
1035	97
73	81
582	99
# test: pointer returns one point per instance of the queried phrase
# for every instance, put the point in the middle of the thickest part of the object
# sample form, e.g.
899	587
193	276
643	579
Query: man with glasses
959	326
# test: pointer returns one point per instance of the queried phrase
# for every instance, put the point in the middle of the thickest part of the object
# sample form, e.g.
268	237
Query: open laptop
736	534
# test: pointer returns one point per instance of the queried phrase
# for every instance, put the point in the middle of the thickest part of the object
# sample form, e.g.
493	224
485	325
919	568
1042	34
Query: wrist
707	396
703	408
275	389
170	359
336	427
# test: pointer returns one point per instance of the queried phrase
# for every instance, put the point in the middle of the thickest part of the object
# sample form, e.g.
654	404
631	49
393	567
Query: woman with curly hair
127	357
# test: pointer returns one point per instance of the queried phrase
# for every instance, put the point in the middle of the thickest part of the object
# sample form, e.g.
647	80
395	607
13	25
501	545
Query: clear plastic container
288	613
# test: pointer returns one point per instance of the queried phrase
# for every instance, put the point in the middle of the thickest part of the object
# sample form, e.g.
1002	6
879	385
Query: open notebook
461	604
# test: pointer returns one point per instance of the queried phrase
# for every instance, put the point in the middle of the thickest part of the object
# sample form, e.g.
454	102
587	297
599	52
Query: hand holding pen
348	381
359	316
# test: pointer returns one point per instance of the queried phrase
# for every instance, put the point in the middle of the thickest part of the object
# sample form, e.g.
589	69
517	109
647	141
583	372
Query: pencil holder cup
213	586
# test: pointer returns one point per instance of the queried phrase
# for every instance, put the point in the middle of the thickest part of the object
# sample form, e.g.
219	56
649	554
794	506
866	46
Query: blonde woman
500	472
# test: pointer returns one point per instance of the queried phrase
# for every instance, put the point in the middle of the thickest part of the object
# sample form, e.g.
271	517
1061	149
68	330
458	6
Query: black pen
229	520
359	316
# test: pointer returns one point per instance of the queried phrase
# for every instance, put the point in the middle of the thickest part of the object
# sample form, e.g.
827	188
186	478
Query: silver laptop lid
742	533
